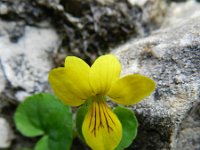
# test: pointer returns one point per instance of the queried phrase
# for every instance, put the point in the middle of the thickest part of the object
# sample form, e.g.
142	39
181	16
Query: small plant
78	84
44	115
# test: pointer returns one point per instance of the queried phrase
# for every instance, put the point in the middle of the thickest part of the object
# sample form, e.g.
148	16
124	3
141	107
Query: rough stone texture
189	135
6	134
2	80
169	118
179	12
101	27
26	61
2	88
90	27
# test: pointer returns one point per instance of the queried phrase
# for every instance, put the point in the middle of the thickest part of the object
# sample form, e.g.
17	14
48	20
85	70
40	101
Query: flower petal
105	70
71	84
101	128
131	89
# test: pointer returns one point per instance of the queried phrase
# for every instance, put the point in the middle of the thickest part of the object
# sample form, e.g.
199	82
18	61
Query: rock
2	88
89	27
2	80
53	4
99	27
177	1
136	2
26	61
6	134
179	12
3	9
189	135
169	118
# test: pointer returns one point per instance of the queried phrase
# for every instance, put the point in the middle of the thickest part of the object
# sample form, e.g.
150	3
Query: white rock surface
6	134
179	12
2	81
3	9
136	2
105	2
27	61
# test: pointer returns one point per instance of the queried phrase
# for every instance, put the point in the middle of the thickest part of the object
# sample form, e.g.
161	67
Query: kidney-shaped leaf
129	125
44	114
80	115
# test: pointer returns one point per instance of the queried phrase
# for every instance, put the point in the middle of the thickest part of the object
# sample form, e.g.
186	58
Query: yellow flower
77	82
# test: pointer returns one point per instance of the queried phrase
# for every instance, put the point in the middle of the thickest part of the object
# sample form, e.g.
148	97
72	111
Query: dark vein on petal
109	116
91	117
107	124
94	128
100	123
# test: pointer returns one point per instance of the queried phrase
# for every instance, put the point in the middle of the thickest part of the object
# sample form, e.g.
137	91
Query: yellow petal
105	70
101	128
71	84
131	89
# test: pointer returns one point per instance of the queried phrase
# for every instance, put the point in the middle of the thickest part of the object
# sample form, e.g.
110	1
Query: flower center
101	117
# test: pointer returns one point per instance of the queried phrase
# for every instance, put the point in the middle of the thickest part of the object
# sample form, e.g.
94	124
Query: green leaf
26	148
80	115
42	144
44	114
129	125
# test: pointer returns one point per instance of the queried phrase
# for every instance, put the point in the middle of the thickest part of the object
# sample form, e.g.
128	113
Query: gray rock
169	118
89	27
189	134
53	4
6	134
26	62
3	9
103	25
2	80
2	88
179	12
